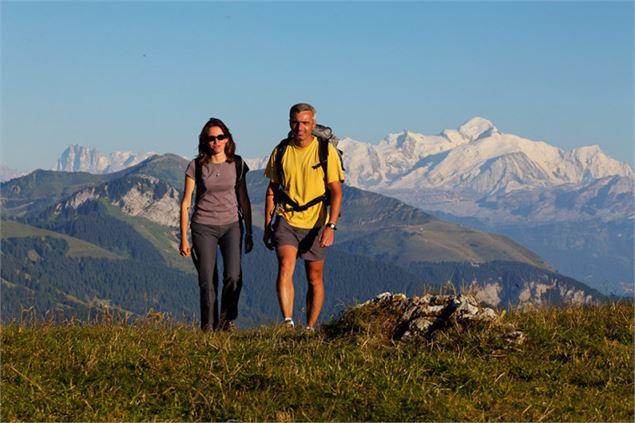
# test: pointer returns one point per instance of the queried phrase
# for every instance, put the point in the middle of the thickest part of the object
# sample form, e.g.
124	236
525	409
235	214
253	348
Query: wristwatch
331	225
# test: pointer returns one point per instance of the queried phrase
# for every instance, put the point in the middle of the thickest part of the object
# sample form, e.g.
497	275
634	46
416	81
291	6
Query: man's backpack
325	137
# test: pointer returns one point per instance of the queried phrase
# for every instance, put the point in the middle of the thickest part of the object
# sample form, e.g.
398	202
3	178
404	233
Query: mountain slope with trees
382	245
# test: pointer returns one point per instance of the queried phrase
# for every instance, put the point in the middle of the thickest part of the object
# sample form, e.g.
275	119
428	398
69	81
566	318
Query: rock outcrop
420	318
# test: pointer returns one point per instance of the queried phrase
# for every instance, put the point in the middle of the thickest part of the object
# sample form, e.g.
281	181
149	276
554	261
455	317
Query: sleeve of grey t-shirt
191	169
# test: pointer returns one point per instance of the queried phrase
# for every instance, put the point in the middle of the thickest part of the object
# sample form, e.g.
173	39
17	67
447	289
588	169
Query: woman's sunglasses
212	138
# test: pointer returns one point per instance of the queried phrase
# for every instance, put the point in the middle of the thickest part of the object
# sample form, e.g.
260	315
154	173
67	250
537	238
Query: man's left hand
326	239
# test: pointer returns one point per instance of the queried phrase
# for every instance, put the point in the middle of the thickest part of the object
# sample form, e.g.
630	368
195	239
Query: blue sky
145	76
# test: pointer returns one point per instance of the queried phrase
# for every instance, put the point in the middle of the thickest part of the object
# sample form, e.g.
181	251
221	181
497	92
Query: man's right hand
267	237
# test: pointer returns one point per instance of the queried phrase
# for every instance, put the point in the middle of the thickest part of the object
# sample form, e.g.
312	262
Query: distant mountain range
476	159
77	158
574	208
77	242
480	172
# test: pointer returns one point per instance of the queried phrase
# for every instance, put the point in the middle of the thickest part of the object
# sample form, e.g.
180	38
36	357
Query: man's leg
286	265
315	293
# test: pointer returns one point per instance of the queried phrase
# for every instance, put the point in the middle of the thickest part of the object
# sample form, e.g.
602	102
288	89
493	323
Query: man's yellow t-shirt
303	183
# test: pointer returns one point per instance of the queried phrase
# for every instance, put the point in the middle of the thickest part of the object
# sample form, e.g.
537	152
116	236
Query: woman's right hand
184	248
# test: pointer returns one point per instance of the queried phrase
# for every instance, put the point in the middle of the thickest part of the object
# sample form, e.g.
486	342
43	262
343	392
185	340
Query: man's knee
286	269
316	283
315	274
286	259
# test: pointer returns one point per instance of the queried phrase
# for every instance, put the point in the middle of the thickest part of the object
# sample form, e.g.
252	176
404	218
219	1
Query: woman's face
216	139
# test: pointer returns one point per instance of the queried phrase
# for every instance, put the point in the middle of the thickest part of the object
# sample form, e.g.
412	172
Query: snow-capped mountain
480	172
573	207
77	158
260	163
474	160
477	158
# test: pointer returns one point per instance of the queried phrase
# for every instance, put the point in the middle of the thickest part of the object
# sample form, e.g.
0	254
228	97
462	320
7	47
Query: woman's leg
205	241
229	243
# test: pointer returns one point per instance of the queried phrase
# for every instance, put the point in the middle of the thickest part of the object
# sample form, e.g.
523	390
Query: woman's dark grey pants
205	240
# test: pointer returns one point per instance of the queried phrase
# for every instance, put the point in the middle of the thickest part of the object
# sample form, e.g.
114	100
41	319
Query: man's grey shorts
307	241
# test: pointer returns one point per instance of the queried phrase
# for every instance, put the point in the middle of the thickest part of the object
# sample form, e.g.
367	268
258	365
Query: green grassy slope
576	365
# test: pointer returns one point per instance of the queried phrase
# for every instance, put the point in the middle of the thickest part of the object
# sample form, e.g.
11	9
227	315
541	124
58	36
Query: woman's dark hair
205	151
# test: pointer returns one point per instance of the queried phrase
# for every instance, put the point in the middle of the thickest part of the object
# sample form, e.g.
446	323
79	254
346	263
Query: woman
222	204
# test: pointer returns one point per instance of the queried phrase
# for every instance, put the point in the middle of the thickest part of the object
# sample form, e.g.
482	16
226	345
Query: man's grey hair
303	107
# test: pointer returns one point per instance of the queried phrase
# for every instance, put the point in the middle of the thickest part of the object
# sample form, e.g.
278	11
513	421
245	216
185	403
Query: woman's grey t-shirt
218	204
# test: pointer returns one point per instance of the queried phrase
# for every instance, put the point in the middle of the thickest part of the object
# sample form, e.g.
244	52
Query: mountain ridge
408	160
478	175
76	158
365	262
461	155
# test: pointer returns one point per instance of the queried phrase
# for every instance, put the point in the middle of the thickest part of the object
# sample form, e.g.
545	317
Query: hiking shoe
288	322
309	330
228	326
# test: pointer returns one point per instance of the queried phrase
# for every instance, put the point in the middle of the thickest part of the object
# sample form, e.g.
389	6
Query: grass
576	365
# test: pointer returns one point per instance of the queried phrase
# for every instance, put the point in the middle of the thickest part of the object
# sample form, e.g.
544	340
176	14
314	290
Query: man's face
302	124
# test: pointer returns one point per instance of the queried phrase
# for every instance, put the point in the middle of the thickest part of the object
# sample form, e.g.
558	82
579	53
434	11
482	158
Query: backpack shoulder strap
198	175
280	149
238	161
281	197
197	172
323	154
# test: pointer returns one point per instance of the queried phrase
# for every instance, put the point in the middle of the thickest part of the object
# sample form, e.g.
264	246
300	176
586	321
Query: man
301	229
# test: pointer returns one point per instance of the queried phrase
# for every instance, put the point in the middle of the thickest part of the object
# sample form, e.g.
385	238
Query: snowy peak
476	158
259	163
476	128
594	164
404	138
403	150
77	158
587	152
401	139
